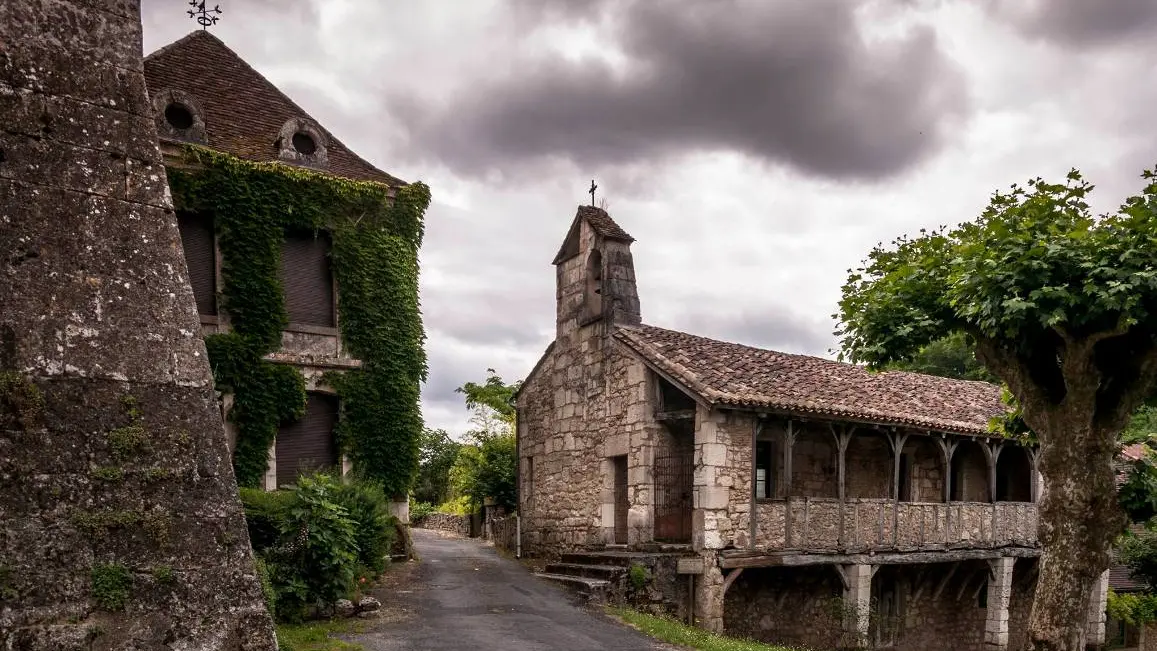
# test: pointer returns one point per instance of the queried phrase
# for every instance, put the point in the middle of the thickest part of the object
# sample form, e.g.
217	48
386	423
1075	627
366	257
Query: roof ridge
181	41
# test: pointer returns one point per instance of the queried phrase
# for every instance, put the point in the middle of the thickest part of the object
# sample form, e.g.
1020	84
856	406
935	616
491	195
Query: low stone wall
459	524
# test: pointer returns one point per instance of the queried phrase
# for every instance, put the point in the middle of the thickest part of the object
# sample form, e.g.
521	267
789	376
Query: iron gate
674	477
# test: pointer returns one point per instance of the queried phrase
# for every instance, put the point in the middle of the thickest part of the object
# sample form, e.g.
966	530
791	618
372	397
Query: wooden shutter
308	444
305	274
197	241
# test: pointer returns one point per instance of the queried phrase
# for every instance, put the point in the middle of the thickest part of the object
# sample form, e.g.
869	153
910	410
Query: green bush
313	539
461	505
267	589
375	530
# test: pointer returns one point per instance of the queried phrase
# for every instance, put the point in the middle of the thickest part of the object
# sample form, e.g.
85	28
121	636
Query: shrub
111	583
375	530
458	506
637	575
420	510
267	589
265	513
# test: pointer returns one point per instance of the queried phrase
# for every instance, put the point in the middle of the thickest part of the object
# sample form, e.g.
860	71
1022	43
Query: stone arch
868	465
178	116
969	473
302	141
593	284
921	471
1013	475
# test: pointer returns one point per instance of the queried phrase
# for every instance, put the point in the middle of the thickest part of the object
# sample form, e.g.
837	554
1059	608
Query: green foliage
111	584
1136	609
488	469
1142	426
689	637
437	453
317	636
637	576
375	262
268	592
108	473
164	575
1138	495
492	394
420	510
21	398
952	356
375	530
461	505
314	537
1034	262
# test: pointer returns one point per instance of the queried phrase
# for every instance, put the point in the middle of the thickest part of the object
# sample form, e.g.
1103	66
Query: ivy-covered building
303	259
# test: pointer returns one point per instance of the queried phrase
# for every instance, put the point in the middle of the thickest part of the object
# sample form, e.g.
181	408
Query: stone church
791	490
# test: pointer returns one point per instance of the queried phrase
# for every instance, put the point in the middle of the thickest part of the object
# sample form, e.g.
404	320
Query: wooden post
897	441
1034	484
946	451
991	454
788	444
756	428
843	436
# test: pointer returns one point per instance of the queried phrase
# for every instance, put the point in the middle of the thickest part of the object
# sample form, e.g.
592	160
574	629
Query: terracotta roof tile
602	223
738	375
243	111
1120	580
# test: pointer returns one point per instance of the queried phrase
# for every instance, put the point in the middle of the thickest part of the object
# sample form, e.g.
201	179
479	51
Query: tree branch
1009	367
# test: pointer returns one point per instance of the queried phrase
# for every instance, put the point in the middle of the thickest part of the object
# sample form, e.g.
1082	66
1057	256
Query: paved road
463	595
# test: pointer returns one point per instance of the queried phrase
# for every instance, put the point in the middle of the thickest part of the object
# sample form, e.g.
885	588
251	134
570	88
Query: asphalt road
463	595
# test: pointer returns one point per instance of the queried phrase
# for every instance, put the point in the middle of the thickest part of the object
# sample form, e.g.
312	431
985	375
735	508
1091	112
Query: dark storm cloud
787	83
1081	23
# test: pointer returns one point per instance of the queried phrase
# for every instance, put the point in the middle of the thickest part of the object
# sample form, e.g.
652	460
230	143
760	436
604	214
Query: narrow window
307	279
593	292
957	474
764	464
200	258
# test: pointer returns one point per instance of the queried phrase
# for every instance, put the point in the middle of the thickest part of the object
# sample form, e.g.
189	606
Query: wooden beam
944	581
674	414
969	578
918	583
742	558
843	574
731	576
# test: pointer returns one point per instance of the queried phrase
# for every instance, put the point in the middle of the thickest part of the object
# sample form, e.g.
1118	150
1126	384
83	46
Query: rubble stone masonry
122	526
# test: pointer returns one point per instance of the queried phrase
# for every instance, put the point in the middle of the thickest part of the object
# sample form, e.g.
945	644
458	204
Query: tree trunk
1079	521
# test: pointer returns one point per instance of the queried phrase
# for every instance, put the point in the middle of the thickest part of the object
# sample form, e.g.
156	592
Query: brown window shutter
308	282
197	241
308	444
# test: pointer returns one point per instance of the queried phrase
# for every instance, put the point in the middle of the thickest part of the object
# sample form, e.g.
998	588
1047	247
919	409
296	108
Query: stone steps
621	559
606	572
592	590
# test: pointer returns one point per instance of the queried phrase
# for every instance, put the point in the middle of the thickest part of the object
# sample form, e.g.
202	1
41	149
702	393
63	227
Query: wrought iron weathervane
203	16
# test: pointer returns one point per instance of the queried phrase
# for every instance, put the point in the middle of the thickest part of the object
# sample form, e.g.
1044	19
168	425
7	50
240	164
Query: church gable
204	93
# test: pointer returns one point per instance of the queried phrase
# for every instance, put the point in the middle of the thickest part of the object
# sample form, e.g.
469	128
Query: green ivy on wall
375	262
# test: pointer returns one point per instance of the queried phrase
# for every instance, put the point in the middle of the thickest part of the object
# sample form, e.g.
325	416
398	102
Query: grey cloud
786	84
773	326
1081	23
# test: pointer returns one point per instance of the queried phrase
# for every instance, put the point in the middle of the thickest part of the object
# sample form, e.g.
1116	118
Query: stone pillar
1095	625
857	602
104	378
999	592
709	595
712	488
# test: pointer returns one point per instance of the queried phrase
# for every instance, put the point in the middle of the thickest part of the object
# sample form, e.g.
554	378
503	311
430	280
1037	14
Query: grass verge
673	632
315	636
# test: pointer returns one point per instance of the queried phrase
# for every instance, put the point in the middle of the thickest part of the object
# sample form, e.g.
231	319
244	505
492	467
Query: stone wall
788	606
457	524
123	529
1020	602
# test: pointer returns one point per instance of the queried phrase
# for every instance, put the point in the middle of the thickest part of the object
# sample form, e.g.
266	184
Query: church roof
242	110
600	222
735	375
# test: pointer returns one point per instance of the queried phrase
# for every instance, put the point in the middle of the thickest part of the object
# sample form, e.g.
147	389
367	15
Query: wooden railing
810	523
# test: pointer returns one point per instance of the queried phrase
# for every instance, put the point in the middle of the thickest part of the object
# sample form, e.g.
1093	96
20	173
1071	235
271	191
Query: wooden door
622	505
308	444
674	479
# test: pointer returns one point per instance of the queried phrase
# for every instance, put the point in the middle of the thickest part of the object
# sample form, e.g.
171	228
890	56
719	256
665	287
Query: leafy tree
436	456
952	356
488	467
1062	307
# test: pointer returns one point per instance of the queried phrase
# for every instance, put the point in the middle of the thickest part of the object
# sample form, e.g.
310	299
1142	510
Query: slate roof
243	111
731	374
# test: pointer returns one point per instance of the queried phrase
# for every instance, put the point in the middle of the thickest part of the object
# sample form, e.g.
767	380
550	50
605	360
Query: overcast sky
755	149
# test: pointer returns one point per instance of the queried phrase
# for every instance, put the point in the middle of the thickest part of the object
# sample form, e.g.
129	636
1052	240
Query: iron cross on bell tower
592	192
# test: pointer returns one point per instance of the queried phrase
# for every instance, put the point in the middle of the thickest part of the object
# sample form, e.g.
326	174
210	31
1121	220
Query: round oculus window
178	116
304	143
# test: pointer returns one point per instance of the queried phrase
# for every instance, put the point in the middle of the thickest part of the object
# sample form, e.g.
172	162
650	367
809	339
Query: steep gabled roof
600	223
728	374
243	111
